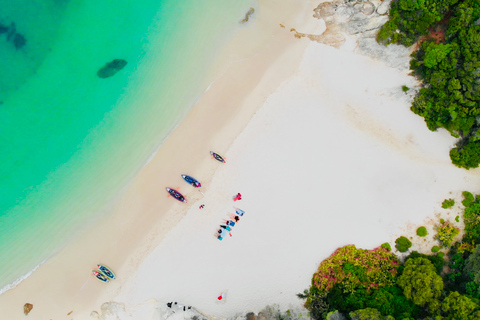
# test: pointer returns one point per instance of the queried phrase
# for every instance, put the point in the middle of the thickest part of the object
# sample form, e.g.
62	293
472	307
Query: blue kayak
177	195
191	180
106	271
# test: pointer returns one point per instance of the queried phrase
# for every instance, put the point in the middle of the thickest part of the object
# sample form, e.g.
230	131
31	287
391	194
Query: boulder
27	308
384	7
111	68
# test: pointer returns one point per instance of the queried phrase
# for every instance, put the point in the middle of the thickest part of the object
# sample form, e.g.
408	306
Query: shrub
457	218
402	244
468	198
387	246
448	203
441	255
422	232
446	232
405	89
435	249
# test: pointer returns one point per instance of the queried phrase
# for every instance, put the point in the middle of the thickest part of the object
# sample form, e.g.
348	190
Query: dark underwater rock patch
111	68
17	39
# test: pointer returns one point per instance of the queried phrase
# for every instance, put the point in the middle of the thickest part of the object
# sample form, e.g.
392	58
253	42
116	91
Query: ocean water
69	140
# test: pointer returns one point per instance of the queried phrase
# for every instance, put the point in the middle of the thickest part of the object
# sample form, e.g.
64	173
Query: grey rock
384	7
111	68
360	26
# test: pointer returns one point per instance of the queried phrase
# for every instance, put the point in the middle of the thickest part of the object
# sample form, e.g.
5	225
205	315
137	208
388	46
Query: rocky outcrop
27	307
359	21
247	15
111	68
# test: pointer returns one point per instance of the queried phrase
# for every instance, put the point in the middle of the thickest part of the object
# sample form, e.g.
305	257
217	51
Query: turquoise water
71	140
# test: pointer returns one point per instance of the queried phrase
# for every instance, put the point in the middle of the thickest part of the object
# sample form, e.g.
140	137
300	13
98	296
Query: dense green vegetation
374	284
447	62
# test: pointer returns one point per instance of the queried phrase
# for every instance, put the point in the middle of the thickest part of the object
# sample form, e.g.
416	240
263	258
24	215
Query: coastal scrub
446	232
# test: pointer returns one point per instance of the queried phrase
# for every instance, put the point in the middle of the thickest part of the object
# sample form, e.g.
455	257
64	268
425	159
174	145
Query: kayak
100	276
194	182
177	195
106	271
217	156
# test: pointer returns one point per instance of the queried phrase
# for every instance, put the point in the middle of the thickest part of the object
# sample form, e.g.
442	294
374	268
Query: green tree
472	266
368	314
459	307
420	282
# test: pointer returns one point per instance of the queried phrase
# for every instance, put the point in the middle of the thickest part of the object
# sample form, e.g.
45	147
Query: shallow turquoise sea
69	140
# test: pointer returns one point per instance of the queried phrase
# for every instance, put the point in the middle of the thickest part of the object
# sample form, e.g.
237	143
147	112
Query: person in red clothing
237	197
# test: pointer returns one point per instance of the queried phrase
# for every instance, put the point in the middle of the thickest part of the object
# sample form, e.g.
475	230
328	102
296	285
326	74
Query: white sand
334	156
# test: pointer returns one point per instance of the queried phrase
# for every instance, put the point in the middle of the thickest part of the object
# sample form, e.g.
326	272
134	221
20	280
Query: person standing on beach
237	197
222	296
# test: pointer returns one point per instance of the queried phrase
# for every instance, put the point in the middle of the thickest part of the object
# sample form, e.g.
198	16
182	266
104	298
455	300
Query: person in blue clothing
226	227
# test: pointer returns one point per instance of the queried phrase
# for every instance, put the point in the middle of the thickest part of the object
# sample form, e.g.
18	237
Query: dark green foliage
316	303
468	155
435	248
388	300
405	89
448	203
422	232
387	246
402	244
440	255
471	218
409	19
420	282
472	266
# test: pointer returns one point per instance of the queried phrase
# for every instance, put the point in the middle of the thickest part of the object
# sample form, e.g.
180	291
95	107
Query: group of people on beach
228	224
177	306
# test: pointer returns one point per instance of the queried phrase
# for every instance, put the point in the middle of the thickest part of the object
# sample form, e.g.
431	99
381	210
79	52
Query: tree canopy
420	282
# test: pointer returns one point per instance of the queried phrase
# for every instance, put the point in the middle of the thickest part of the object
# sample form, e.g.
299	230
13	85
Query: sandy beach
325	151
